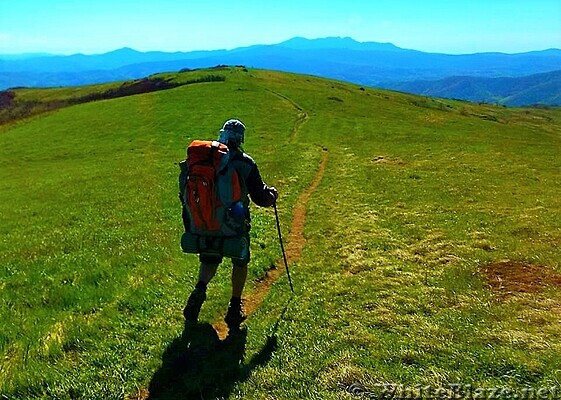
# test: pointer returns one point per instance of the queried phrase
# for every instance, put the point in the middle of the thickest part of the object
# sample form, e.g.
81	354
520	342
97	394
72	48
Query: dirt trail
302	114
296	242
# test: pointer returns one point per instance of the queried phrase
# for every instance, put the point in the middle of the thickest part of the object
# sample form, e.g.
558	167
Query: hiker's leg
239	273
209	265
239	276
207	272
235	315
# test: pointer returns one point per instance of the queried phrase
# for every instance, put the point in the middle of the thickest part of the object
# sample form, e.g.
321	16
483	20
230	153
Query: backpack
211	193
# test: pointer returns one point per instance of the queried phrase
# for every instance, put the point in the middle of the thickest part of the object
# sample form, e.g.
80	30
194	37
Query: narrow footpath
296	240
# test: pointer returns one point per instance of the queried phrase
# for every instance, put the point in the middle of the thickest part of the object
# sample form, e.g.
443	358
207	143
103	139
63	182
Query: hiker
227	235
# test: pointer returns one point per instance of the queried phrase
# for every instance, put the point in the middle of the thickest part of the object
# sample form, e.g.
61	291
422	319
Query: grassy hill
430	254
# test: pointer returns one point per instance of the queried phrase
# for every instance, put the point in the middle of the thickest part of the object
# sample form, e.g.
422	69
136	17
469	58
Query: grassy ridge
22	103
393	284
418	195
406	301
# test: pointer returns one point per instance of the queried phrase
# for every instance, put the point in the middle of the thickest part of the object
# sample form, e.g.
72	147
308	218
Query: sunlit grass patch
419	196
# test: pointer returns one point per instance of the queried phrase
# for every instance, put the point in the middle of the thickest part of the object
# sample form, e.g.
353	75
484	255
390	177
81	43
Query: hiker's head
232	133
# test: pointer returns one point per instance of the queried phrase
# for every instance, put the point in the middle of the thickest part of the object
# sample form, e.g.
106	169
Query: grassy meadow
421	202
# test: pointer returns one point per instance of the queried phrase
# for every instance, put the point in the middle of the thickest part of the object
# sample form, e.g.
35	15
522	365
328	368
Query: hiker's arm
260	193
182	183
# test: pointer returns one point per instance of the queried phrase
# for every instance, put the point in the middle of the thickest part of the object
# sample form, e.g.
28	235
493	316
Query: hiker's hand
275	193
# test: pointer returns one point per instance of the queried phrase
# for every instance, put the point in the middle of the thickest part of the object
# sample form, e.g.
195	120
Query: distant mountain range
534	89
367	63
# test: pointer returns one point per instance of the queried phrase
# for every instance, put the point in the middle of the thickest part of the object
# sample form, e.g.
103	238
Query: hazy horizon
438	26
15	55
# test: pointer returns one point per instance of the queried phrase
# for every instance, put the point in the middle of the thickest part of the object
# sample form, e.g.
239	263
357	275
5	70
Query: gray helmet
232	132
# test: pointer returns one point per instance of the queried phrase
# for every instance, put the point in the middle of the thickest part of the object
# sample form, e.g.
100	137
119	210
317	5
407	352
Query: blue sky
448	26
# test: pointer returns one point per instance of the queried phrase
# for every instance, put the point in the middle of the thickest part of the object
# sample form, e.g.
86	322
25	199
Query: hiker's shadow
199	365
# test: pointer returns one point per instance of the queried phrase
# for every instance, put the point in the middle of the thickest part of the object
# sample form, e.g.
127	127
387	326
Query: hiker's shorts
217	258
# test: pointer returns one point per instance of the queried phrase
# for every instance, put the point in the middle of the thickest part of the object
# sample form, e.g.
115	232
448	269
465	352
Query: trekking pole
282	246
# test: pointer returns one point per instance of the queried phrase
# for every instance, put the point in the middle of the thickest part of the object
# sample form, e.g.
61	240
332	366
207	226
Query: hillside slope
523	91
428	255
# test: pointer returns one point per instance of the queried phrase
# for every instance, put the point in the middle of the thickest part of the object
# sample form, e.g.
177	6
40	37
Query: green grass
418	195
18	104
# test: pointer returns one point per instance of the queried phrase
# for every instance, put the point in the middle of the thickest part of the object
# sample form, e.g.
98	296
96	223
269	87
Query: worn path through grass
296	242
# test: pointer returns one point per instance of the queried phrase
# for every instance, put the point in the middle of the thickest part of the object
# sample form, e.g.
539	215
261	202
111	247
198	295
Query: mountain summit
346	43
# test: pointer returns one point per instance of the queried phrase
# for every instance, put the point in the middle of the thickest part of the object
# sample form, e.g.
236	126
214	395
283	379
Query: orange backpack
210	190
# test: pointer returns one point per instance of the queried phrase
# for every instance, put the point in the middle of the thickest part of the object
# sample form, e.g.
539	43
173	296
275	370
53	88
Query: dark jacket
247	169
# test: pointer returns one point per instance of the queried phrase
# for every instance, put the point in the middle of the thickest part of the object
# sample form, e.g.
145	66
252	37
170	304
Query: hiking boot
193	307
235	316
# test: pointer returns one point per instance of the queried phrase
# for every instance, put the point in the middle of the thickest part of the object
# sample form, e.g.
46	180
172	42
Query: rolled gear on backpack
212	198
